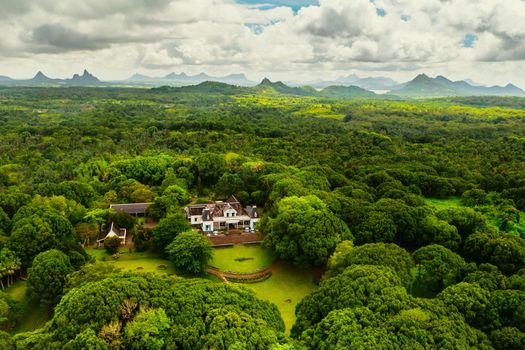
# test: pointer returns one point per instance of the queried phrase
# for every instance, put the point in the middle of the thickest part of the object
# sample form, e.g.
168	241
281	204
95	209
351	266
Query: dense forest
413	209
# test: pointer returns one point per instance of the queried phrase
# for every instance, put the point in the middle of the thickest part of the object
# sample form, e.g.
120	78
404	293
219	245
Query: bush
112	244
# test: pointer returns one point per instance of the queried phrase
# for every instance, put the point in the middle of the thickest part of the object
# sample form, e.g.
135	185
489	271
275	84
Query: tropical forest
385	223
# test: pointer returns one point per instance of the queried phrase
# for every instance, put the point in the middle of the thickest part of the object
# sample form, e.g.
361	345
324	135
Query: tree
112	244
122	219
147	330
5	222
434	230
30	239
375	287
47	277
9	265
229	184
167	229
505	251
190	252
37	229
508	338
304	231
469	299
108	306
474	197
376	227
89	273
86	340
488	277
438	266
384	254
466	220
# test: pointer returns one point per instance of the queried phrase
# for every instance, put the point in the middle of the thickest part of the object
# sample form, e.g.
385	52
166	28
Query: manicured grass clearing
287	286
32	315
257	258
144	261
443	203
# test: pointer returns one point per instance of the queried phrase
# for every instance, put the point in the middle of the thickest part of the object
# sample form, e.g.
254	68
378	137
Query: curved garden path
244	276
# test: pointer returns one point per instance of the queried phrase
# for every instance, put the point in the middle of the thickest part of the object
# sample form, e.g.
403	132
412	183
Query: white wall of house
252	223
229	213
207	226
196	219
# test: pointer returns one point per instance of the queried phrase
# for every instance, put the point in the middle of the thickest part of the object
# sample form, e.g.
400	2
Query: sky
301	40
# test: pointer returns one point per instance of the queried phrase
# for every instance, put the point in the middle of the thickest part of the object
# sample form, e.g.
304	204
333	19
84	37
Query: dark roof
195	209
210	210
232	199
252	211
207	215
131	208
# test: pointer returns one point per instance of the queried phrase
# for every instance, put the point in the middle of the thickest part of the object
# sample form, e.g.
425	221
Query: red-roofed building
222	215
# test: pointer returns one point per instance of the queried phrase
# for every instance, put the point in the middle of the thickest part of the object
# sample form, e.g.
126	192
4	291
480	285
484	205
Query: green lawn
443	203
32	316
255	257
285	288
135	261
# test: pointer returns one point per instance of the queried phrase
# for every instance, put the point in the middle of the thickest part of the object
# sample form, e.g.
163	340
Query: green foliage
67	153
167	229
438	266
469	299
305	231
112	244
190	252
37	229
176	313
377	287
382	254
89	273
147	330
505	251
47	277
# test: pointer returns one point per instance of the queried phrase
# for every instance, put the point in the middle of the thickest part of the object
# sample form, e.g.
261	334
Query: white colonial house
222	215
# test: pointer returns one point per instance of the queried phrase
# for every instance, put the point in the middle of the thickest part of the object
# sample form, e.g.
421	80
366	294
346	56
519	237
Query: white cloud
336	37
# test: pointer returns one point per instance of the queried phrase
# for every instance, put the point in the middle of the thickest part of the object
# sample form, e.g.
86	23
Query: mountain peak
85	78
266	81
422	77
41	78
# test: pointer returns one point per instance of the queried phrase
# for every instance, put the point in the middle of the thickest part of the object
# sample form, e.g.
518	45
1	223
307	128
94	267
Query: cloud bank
309	39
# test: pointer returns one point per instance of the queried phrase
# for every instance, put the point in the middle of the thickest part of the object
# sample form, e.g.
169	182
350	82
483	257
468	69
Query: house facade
113	232
222	215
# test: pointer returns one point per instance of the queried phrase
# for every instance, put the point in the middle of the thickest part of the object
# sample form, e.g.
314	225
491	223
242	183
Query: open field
285	288
135	261
241	258
32	316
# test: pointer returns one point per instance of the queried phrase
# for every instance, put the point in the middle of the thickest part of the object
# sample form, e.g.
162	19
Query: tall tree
47	277
304	231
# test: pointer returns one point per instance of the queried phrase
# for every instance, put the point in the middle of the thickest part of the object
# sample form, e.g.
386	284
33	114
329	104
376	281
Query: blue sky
294	4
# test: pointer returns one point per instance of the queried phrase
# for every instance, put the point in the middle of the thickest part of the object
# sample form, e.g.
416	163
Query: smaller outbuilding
135	209
113	232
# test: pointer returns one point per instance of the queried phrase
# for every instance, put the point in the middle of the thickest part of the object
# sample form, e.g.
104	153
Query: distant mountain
184	79
85	79
267	86
346	91
41	78
349	79
422	85
214	87
375	83
369	83
4	78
